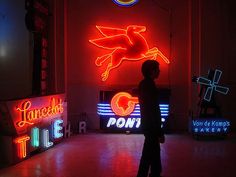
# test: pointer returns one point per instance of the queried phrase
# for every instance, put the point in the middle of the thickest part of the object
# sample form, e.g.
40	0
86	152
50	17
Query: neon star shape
125	44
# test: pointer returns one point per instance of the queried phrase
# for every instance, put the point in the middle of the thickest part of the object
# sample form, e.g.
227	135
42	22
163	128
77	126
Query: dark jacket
149	107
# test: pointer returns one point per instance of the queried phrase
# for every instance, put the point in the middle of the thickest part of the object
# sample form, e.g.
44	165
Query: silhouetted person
150	121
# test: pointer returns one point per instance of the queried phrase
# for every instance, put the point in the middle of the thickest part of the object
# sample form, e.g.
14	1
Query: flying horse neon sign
126	44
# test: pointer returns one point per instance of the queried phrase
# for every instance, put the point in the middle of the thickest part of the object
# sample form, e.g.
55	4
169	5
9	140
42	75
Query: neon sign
122	122
37	140
124	112
210	126
123	103
32	125
125	44
57	128
28	116
21	144
212	85
125	2
45	139
35	137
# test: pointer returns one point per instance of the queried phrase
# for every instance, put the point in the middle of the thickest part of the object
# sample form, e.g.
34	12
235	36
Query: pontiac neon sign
29	115
124	112
125	44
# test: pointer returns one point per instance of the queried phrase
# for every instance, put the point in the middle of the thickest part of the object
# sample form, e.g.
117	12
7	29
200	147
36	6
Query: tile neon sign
36	124
37	140
125	44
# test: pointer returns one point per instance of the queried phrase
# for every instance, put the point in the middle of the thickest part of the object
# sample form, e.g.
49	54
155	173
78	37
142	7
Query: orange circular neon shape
123	103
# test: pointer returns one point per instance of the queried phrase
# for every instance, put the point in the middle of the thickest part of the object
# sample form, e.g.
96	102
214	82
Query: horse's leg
116	59
102	59
154	52
163	56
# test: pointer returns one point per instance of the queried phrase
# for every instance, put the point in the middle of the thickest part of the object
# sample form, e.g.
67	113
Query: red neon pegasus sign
126	44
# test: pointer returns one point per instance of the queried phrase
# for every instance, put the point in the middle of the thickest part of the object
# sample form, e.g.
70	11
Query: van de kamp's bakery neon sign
210	126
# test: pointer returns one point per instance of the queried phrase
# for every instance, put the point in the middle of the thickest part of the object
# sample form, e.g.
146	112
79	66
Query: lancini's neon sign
125	44
29	115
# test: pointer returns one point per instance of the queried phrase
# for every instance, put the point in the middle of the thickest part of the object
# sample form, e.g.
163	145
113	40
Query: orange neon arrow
126	44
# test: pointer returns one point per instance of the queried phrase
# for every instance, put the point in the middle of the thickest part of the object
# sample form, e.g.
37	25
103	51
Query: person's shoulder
141	82
146	81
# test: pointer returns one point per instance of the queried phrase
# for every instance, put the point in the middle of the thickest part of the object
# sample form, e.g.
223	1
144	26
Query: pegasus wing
108	31
112	42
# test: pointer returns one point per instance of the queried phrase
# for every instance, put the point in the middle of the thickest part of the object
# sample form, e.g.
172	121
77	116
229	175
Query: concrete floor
117	155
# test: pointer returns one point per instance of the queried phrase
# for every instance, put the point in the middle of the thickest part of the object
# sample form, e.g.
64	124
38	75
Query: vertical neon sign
21	145
57	128
45	139
35	137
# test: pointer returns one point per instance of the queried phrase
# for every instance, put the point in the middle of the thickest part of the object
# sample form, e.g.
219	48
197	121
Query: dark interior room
74	93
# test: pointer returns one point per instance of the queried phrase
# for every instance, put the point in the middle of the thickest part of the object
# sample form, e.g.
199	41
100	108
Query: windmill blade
204	81
217	76
221	89
208	94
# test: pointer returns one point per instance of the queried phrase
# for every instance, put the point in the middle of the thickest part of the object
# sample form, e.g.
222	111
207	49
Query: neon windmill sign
123	112
125	44
212	85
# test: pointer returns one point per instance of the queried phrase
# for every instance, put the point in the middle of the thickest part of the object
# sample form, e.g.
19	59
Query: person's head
150	69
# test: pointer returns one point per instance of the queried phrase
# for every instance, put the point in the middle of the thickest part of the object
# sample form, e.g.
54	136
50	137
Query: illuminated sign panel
29	115
37	123
125	45
123	113
210	126
38	141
